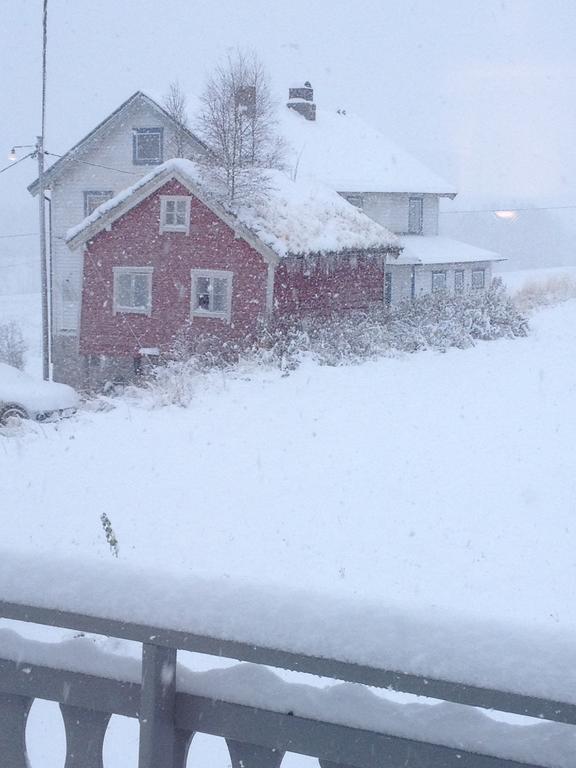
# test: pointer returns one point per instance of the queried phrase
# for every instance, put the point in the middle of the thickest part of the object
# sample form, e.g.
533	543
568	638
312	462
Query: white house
390	186
339	149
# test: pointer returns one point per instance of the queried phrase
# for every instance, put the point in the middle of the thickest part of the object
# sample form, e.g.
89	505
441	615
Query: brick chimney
302	101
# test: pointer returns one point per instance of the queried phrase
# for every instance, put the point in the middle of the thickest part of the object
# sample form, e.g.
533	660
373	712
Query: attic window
147	146
175	213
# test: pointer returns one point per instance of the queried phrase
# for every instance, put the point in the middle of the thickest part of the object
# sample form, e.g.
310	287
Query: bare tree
175	104
238	124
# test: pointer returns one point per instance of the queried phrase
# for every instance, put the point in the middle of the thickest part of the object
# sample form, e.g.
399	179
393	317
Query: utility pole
43	261
39	154
42	209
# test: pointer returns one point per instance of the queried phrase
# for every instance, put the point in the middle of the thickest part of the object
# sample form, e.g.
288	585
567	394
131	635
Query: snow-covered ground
431	483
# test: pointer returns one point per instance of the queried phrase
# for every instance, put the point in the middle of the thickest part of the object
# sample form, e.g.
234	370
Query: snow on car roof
292	217
350	155
34	395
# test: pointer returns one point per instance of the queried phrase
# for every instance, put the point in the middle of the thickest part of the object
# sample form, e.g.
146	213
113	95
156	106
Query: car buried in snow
23	397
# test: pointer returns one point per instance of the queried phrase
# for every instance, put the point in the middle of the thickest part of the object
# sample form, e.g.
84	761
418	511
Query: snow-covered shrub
541	293
171	383
12	345
208	350
433	321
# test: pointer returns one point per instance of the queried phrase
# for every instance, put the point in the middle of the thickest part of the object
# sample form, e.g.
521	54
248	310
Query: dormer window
415	215
147	146
175	213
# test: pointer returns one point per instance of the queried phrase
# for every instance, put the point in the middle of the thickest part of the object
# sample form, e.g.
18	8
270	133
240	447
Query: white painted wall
402	277
423	281
391	210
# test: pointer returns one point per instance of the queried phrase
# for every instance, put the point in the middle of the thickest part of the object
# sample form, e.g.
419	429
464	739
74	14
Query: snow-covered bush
432	321
541	293
12	345
171	383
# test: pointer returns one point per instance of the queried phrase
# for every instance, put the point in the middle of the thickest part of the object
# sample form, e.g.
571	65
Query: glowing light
507	215
12	155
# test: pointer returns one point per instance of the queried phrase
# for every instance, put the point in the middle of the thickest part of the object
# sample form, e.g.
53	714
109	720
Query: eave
107	219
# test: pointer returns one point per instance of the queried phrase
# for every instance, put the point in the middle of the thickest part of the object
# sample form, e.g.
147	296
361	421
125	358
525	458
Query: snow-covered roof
291	218
441	250
350	155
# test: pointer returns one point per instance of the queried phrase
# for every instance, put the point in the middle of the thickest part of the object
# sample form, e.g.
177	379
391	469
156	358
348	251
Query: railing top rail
340	744
457	692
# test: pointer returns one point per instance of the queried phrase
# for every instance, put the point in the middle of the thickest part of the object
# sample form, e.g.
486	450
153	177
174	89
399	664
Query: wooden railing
256	737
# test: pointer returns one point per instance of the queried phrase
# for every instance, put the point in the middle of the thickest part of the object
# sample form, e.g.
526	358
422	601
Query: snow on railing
260	715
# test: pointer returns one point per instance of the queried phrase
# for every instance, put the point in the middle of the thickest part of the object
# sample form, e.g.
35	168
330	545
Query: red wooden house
164	258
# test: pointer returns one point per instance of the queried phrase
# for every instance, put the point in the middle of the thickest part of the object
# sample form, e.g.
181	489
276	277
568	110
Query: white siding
423	281
391	210
114	150
402	277
401	282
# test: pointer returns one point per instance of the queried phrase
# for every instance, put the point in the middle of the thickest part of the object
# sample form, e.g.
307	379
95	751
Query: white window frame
136	134
164	200
211	274
459	288
119	308
439	272
103	195
416	224
478	272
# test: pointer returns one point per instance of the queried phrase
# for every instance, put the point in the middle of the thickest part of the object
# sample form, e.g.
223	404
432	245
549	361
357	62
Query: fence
257	737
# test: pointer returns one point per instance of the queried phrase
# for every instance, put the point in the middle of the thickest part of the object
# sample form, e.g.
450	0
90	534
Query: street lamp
506	215
13	156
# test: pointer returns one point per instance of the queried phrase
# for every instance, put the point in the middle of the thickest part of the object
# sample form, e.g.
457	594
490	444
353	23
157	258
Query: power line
516	210
94	165
73	160
15	162
19	234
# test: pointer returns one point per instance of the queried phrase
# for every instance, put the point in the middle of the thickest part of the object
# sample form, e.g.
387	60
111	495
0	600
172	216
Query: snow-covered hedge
541	293
12	345
436	322
433	321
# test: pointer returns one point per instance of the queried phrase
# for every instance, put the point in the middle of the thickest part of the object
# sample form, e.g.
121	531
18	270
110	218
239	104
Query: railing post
85	732
253	756
182	747
13	715
157	699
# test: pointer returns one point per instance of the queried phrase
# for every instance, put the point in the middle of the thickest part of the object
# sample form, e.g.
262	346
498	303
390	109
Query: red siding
356	283
135	240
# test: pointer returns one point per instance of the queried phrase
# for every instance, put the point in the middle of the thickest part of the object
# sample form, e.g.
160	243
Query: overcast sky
483	90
